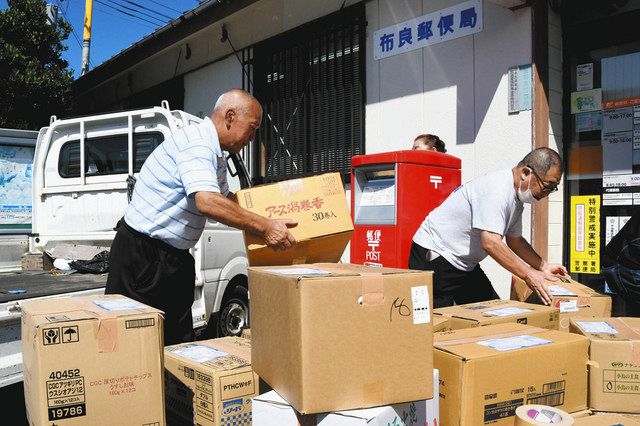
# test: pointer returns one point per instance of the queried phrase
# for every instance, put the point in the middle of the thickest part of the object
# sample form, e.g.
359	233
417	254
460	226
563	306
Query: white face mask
526	196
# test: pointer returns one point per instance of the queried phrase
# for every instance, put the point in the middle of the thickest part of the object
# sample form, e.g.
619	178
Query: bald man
180	185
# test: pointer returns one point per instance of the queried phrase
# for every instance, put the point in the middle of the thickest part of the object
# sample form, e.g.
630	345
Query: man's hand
277	235
554	269
536	281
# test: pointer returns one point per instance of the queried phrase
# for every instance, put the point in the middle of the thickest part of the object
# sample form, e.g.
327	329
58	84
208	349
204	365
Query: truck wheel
234	312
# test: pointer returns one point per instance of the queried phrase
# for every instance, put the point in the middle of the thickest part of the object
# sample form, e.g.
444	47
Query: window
310	82
107	155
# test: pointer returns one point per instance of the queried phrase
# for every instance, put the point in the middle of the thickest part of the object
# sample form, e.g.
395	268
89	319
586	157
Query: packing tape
372	289
541	415
107	335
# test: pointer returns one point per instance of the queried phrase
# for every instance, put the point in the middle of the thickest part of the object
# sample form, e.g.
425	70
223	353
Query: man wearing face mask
472	223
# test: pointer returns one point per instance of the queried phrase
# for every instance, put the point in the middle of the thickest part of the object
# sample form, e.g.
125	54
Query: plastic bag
99	264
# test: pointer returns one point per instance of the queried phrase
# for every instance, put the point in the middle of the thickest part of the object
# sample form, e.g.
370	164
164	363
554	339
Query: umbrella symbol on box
70	334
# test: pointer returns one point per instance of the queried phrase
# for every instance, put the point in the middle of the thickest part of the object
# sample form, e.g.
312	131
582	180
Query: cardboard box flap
610	329
223	354
85	307
322	270
497	339
489	310
606	419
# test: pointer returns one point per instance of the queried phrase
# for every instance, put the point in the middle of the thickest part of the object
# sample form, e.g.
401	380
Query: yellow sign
585	234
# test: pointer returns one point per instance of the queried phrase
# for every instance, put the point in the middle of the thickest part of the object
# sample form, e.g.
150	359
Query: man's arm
274	232
535	279
523	249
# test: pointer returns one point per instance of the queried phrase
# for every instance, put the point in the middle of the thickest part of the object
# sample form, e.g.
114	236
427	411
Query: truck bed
41	284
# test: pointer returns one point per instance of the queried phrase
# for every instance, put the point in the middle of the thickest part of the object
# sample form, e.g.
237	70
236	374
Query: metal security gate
310	82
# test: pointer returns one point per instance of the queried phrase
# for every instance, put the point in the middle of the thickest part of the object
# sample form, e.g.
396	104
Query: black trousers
451	284
154	273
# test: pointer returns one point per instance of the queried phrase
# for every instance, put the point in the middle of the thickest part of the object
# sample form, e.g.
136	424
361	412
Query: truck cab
81	187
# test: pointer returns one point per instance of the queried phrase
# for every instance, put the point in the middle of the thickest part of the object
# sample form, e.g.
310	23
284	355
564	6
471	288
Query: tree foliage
34	79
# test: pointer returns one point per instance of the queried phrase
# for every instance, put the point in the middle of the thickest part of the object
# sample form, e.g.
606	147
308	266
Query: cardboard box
614	370
319	205
488	372
581	413
441	323
246	333
331	337
36	262
570	297
270	409
210	382
606	419
87	359
498	312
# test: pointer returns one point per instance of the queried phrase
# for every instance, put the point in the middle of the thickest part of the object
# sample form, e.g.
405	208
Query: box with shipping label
91	358
441	323
606	419
317	203
499	311
488	372
270	409
210	382
342	336
614	367
570	297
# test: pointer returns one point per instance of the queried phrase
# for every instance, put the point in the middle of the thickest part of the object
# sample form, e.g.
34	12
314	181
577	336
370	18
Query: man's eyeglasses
548	189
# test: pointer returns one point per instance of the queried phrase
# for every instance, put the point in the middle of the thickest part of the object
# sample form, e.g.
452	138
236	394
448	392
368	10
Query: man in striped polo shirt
181	184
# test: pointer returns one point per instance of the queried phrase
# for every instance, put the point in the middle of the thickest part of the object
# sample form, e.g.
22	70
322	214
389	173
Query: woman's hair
432	141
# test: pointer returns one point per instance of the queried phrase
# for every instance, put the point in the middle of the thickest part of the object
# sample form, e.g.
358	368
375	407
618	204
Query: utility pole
86	42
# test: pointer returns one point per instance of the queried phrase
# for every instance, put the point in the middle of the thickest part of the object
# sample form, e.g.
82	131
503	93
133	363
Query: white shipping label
298	271
557	290
506	312
118	305
597	327
569	306
421	311
513	343
199	353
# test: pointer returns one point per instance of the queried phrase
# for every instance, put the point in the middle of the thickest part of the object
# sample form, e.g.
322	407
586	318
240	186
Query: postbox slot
375	195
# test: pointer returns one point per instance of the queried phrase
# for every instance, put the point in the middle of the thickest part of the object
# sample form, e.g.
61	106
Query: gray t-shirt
486	203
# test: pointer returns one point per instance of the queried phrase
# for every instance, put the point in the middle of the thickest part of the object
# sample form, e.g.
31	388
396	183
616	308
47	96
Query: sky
112	29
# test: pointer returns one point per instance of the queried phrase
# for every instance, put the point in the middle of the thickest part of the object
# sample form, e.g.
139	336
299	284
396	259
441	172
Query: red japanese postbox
391	194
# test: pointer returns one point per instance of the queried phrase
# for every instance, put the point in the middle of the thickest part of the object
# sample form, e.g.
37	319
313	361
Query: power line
147	8
99	9
167	7
138	11
155	24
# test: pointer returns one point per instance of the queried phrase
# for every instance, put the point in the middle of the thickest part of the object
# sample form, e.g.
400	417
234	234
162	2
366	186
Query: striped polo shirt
163	203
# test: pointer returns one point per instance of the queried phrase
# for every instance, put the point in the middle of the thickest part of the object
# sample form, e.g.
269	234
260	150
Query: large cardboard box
498	312
606	419
319	205
210	382
331	337
488	372
87	359
570	297
614	370
270	409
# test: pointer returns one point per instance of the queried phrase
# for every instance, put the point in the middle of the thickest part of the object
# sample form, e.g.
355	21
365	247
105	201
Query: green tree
34	79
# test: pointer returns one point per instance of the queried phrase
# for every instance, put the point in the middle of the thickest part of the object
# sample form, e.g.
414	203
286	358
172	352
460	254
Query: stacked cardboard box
488	372
210	383
317	203
614	370
270	409
570	297
499	311
92	360
441	323
608	419
342	336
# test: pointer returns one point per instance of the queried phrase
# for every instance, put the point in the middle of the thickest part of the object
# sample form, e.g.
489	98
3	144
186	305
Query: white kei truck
82	182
